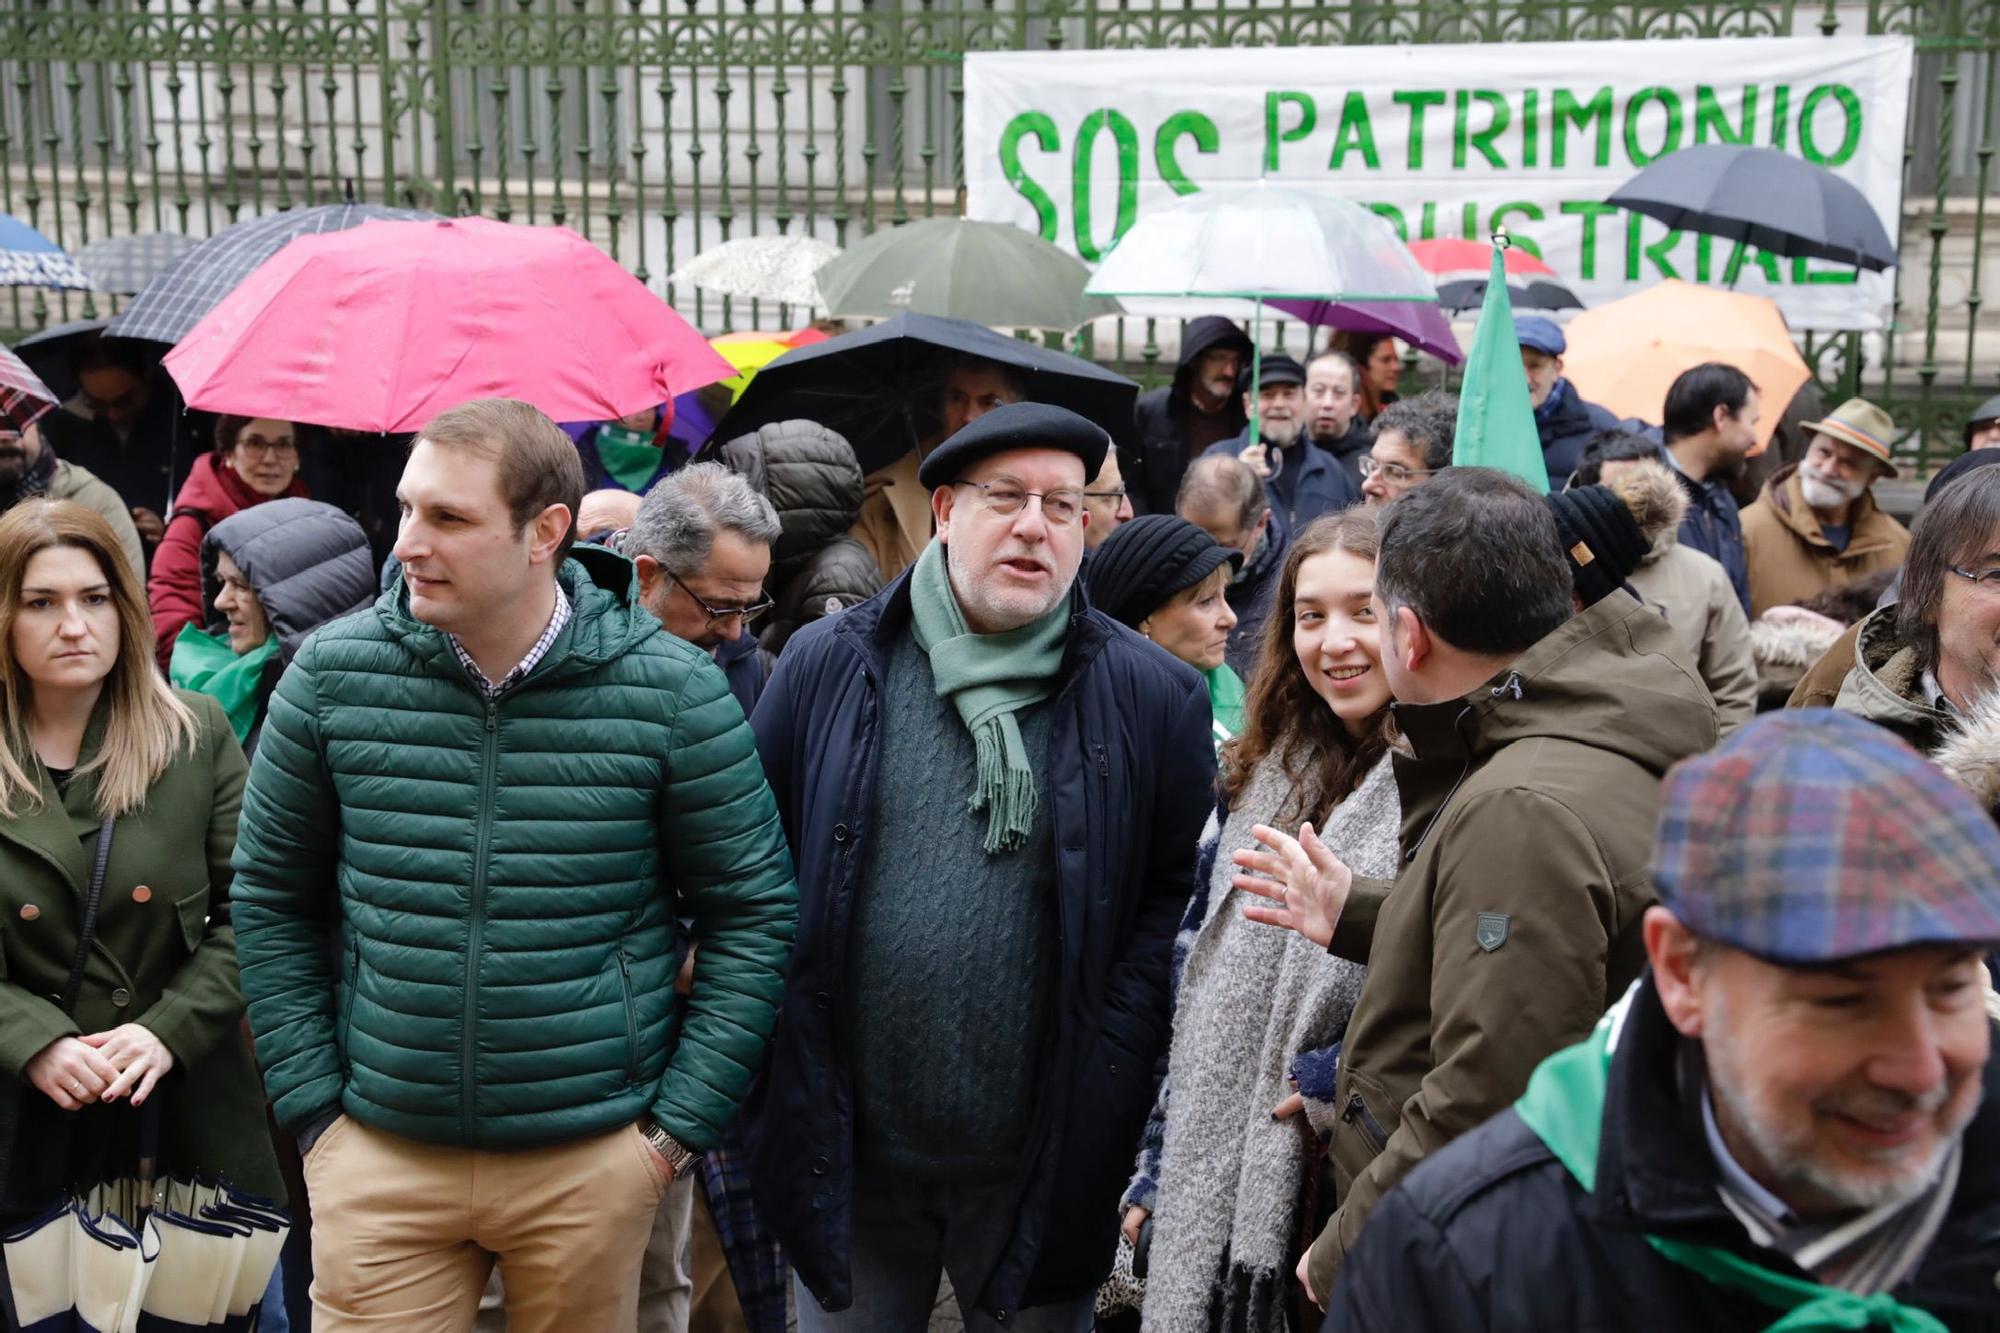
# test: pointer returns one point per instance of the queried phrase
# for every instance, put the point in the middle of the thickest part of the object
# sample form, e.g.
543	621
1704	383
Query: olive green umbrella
990	273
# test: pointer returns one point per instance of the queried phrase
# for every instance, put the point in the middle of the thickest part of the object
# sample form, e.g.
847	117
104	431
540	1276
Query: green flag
1496	422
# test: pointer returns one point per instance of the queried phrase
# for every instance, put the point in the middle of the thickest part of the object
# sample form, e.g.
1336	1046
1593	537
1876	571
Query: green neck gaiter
630	457
206	664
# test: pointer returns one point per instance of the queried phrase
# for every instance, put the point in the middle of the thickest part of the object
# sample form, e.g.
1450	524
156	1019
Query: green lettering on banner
1481	141
1396	219
1565	109
1533	212
1531	127
1418	103
1127	140
1183	124
1838	277
1850	139
1766	263
1590	210
1356	131
1273	136
1711	122
1043	128
1468	221
1781	114
1427	230
1671	102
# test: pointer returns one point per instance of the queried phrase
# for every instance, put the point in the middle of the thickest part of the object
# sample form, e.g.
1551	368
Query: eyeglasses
257	444
719	614
1118	496
1060	508
1987	579
1394	472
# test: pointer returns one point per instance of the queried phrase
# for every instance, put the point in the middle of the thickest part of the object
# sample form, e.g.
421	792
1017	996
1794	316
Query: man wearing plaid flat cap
1791	1121
1816	526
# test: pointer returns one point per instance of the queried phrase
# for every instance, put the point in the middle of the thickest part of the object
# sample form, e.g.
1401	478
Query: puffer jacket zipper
468	1086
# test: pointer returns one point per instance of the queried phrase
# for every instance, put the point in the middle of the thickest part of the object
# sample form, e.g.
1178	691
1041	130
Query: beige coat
895	519
1693	593
1790	559
70	482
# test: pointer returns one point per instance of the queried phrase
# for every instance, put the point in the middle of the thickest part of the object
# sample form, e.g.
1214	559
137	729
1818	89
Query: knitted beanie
1146	561
1600	537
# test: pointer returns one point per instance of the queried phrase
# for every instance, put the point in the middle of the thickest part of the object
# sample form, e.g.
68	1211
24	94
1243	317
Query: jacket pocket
1357	1114
351	982
631	1018
193	913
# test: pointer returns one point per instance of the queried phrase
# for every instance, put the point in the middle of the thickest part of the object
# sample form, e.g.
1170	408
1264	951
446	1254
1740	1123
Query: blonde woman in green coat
89	731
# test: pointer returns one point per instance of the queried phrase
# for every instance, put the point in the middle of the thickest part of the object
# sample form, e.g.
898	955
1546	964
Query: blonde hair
148	727
1213	582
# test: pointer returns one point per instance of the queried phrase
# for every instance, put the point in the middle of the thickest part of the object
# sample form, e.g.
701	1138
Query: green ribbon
206	664
989	678
1564	1105
630	457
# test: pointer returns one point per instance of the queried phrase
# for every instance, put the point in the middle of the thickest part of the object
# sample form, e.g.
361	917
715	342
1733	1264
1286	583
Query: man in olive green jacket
491	797
1537	739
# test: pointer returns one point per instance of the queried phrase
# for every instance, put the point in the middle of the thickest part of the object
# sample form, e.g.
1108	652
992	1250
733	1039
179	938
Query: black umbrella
53	352
1541	294
879	386
1781	204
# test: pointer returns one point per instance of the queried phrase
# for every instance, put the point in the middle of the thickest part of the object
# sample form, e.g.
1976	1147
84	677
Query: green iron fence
660	127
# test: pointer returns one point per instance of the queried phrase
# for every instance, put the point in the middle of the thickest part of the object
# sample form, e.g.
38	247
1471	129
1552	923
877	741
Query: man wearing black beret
993	793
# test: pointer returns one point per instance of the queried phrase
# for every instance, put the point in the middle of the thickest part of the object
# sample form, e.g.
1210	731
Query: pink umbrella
382	327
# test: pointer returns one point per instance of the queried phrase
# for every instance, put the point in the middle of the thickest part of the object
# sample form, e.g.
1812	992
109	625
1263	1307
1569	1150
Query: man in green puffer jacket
476	813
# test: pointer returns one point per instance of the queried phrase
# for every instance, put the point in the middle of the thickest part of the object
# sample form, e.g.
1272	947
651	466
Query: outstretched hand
1301	875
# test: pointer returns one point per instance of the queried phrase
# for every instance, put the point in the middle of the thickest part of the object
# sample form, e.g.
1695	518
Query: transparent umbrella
1262	242
760	268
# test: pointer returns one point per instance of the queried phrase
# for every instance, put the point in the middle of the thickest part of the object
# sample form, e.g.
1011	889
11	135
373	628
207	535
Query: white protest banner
1451	141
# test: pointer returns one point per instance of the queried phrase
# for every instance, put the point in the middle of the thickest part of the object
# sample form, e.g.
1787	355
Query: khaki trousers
405	1234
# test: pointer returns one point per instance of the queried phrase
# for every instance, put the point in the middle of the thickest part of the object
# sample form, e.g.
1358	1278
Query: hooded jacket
1528	814
1448	1250
810	476
1885	684
1349	448
211	493
501	880
55	479
1790	559
307	562
1170	431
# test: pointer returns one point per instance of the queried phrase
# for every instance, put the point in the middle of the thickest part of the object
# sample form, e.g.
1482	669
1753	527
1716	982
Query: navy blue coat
1310	480
1129	777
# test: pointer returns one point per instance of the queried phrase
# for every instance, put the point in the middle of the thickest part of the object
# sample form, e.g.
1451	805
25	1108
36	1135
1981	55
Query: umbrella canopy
759	268
382	327
750	352
123	265
23	396
879	386
52	352
30	259
991	273
1263	241
172	304
1625	355
1424	327
1781	204
1451	256
1470	294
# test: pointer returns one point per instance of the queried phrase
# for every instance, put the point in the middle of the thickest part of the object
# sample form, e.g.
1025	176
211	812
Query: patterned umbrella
30	259
761	268
23	397
173	303
123	265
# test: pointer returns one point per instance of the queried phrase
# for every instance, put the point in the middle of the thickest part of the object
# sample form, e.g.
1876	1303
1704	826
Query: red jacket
211	493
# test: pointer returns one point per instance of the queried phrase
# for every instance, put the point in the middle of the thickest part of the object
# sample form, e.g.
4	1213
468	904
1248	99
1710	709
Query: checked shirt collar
557	620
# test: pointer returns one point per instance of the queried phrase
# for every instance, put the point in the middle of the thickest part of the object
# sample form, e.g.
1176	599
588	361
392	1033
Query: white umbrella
760	268
1259	242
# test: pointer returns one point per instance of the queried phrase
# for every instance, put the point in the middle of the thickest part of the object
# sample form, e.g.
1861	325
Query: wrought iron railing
658	127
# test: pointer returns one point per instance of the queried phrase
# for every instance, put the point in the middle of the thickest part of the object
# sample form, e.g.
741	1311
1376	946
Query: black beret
1276	368
1148	559
1600	537
1016	426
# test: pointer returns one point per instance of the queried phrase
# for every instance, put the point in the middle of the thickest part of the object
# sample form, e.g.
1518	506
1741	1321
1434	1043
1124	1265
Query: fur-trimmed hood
1657	501
1970	752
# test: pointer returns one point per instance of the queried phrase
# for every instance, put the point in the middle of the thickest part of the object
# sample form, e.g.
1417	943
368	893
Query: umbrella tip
1501	240
347	188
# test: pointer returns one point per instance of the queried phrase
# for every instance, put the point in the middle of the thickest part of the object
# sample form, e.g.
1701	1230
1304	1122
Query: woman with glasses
255	459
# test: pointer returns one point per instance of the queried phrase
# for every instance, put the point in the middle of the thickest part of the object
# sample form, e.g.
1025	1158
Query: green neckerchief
1564	1105
206	664
629	456
1225	703
989	678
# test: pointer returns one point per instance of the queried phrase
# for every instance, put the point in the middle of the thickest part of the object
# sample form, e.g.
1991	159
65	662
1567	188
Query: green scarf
1225	703
206	664
1564	1105
989	678
630	457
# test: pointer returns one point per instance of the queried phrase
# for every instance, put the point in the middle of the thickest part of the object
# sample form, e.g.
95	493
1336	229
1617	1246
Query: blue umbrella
30	259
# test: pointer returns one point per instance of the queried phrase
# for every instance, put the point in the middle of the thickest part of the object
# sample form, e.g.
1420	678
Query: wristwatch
680	1159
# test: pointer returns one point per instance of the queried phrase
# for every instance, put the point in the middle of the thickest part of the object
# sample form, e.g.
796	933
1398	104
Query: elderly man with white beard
1816	526
1788	1122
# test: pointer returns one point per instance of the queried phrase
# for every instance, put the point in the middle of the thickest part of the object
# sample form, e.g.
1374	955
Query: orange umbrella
1625	355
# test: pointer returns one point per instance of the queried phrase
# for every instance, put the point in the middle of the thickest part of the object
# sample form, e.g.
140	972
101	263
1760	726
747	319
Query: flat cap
1540	334
1016	426
1148	559
1812	836
1277	368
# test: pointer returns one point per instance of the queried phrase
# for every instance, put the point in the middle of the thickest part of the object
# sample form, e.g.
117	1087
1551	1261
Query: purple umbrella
1421	325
